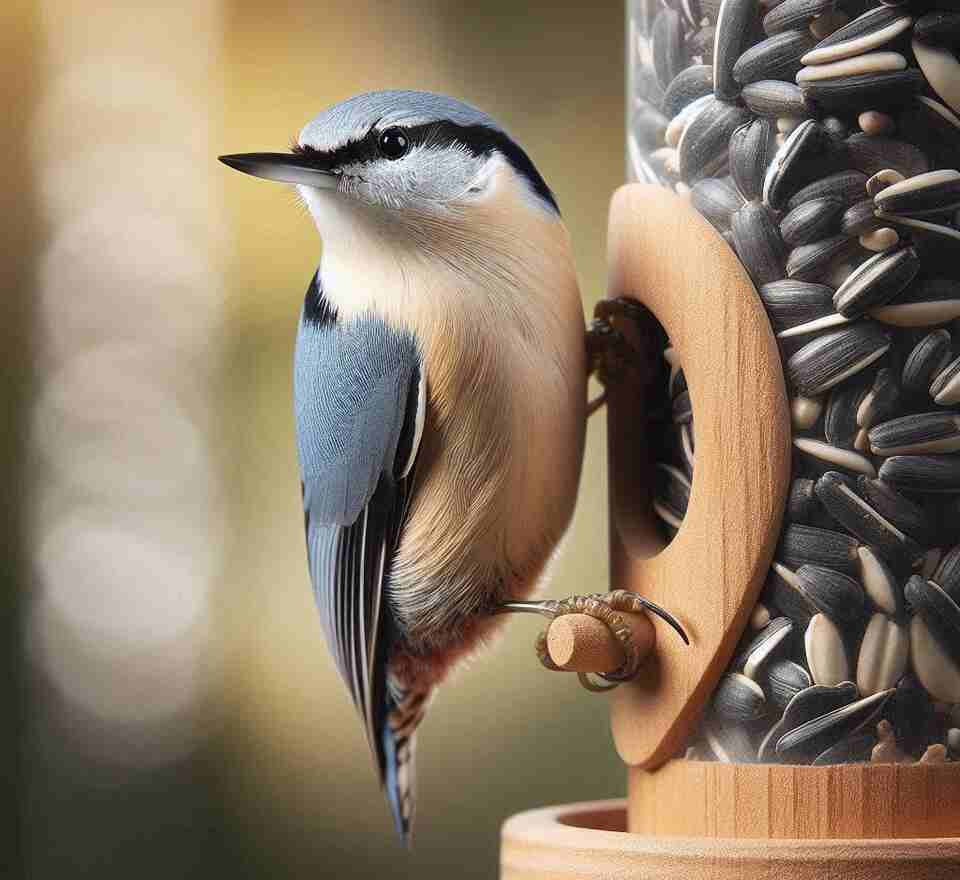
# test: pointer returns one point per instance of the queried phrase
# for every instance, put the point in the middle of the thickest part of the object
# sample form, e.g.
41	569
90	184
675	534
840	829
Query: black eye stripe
479	140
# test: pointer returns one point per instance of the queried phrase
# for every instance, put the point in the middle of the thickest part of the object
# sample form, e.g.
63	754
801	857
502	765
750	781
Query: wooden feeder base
588	840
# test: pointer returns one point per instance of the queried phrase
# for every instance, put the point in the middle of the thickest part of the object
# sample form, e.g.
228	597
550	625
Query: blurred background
172	711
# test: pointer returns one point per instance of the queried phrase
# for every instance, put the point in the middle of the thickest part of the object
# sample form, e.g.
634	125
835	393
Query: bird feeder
792	234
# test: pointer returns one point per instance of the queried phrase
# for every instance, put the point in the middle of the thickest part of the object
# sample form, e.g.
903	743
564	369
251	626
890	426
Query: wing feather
360	396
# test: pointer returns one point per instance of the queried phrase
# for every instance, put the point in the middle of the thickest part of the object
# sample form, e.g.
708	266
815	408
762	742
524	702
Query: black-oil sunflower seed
866	91
784	680
936	192
917	434
775	99
738	698
758	243
751	149
876	281
829	359
945	387
777	57
808	545
866	32
863	521
733	36
928	357
922	473
705	141
810	221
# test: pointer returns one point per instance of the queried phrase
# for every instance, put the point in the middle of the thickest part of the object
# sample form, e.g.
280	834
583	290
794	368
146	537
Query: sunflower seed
812	702
848	186
935	192
716	200
929	356
675	487
861	520
883	655
871	30
794	14
879	582
777	57
813	262
929	238
834	455
704	143
917	434
738	698
872	62
733	36
682	408
910	518
947	573
668	53
679	123
874	153
881	401
802	502
790	303
825	651
700	45
926	302
820	733
854	749
837	595
859	218
785	679
729	743
833	357
945	388
942	71
929	563
808	545
922	473
758	243
688	85
810	221
913	716
760	616
937	671
751	149
761	647
876	282
939	29
804	412
866	91
840	420
799	161
775	99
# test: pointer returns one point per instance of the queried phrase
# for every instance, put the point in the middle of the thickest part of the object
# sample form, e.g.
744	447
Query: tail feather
404	713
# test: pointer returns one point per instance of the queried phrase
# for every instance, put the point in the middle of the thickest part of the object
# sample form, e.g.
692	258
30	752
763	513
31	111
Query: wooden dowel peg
581	643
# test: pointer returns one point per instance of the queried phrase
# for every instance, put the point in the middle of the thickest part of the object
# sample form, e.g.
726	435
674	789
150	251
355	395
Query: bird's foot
608	608
610	354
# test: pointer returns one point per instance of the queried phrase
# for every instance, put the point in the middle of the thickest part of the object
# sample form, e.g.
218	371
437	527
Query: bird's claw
609	352
607	608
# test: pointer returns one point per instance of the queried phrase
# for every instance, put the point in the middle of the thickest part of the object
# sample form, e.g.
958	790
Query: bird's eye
394	143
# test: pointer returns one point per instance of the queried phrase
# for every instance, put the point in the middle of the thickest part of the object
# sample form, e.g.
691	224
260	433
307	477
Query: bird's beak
285	167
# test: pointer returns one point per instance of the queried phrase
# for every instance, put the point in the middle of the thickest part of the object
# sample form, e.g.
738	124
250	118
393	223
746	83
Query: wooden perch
581	643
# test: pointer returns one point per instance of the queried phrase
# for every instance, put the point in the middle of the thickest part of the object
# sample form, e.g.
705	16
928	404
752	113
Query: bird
440	394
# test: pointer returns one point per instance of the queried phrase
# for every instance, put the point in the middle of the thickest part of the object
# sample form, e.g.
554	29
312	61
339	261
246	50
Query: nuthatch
439	383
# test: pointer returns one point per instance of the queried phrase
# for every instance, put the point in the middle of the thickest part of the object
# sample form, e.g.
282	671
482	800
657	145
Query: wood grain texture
665	255
855	801
587	841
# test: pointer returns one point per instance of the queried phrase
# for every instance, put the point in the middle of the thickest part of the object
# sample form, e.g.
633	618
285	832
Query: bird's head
400	155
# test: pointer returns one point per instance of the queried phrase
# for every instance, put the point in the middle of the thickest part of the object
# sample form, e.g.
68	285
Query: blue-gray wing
359	401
